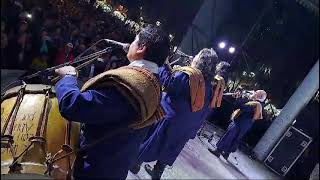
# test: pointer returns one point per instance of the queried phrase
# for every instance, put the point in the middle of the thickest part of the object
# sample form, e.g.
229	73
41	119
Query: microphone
229	94
183	54
124	46
244	92
248	92
100	60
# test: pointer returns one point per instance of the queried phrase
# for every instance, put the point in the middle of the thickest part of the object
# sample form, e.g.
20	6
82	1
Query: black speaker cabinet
287	151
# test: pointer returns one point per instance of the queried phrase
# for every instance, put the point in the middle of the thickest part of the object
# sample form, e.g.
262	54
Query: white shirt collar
151	66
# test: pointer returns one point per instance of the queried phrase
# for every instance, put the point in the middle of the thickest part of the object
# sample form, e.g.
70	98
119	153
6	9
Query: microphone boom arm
80	59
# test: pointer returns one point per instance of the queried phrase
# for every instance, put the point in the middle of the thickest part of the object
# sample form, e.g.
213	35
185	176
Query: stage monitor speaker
287	151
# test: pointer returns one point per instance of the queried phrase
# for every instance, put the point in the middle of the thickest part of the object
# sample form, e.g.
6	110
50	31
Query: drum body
30	117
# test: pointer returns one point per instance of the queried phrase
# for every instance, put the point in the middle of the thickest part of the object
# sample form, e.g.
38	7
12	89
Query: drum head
30	89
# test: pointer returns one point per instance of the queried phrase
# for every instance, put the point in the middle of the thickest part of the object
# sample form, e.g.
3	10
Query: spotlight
222	45
158	23
232	50
29	16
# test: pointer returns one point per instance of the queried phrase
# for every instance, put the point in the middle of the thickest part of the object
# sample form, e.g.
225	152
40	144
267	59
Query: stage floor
196	162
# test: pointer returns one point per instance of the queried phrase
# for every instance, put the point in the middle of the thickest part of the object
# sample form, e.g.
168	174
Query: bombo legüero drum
34	135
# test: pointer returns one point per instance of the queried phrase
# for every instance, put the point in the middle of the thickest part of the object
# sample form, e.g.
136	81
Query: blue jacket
245	119
101	112
238	127
164	75
180	124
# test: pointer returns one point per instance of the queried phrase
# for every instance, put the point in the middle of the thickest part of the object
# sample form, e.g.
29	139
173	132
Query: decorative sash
258	109
218	92
257	112
197	86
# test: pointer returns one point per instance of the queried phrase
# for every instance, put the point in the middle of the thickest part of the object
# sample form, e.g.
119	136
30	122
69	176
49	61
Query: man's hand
66	70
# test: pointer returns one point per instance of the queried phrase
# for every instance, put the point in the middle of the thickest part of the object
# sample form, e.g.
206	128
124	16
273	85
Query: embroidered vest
139	86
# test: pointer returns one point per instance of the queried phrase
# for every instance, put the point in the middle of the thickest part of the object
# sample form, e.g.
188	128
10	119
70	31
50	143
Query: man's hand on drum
66	70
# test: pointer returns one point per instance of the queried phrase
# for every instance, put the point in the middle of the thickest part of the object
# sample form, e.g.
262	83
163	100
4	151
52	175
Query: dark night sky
286	38
175	15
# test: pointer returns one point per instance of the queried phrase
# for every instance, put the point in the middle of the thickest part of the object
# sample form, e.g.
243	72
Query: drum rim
26	176
30	89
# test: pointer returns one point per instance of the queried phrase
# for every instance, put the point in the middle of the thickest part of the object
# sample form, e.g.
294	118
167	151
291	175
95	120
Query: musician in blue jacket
222	70
186	100
127	98
247	111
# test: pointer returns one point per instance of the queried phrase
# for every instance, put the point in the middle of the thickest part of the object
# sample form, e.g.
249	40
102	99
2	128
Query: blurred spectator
4	45
40	63
45	39
30	30
12	13
75	37
115	60
65	54
57	38
24	45
80	49
46	46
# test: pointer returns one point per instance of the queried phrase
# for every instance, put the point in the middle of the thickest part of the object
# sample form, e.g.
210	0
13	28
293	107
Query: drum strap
6	134
44	115
67	144
8	127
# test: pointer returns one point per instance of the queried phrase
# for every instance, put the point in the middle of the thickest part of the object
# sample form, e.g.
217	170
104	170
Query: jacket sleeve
164	75
178	86
91	107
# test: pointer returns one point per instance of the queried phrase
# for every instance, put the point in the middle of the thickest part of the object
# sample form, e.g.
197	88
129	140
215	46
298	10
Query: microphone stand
50	70
177	60
78	59
181	55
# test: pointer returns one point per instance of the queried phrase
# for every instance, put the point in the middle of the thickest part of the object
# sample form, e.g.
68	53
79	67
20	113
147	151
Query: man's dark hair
223	69
157	44
206	62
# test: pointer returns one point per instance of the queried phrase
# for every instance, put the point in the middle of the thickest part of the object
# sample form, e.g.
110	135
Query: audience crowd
36	35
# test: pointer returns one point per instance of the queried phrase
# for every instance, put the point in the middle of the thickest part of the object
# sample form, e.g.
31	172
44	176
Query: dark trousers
230	140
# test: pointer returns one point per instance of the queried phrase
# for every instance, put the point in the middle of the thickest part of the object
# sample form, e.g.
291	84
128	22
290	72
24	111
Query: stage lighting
232	50
158	23
29	16
222	45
